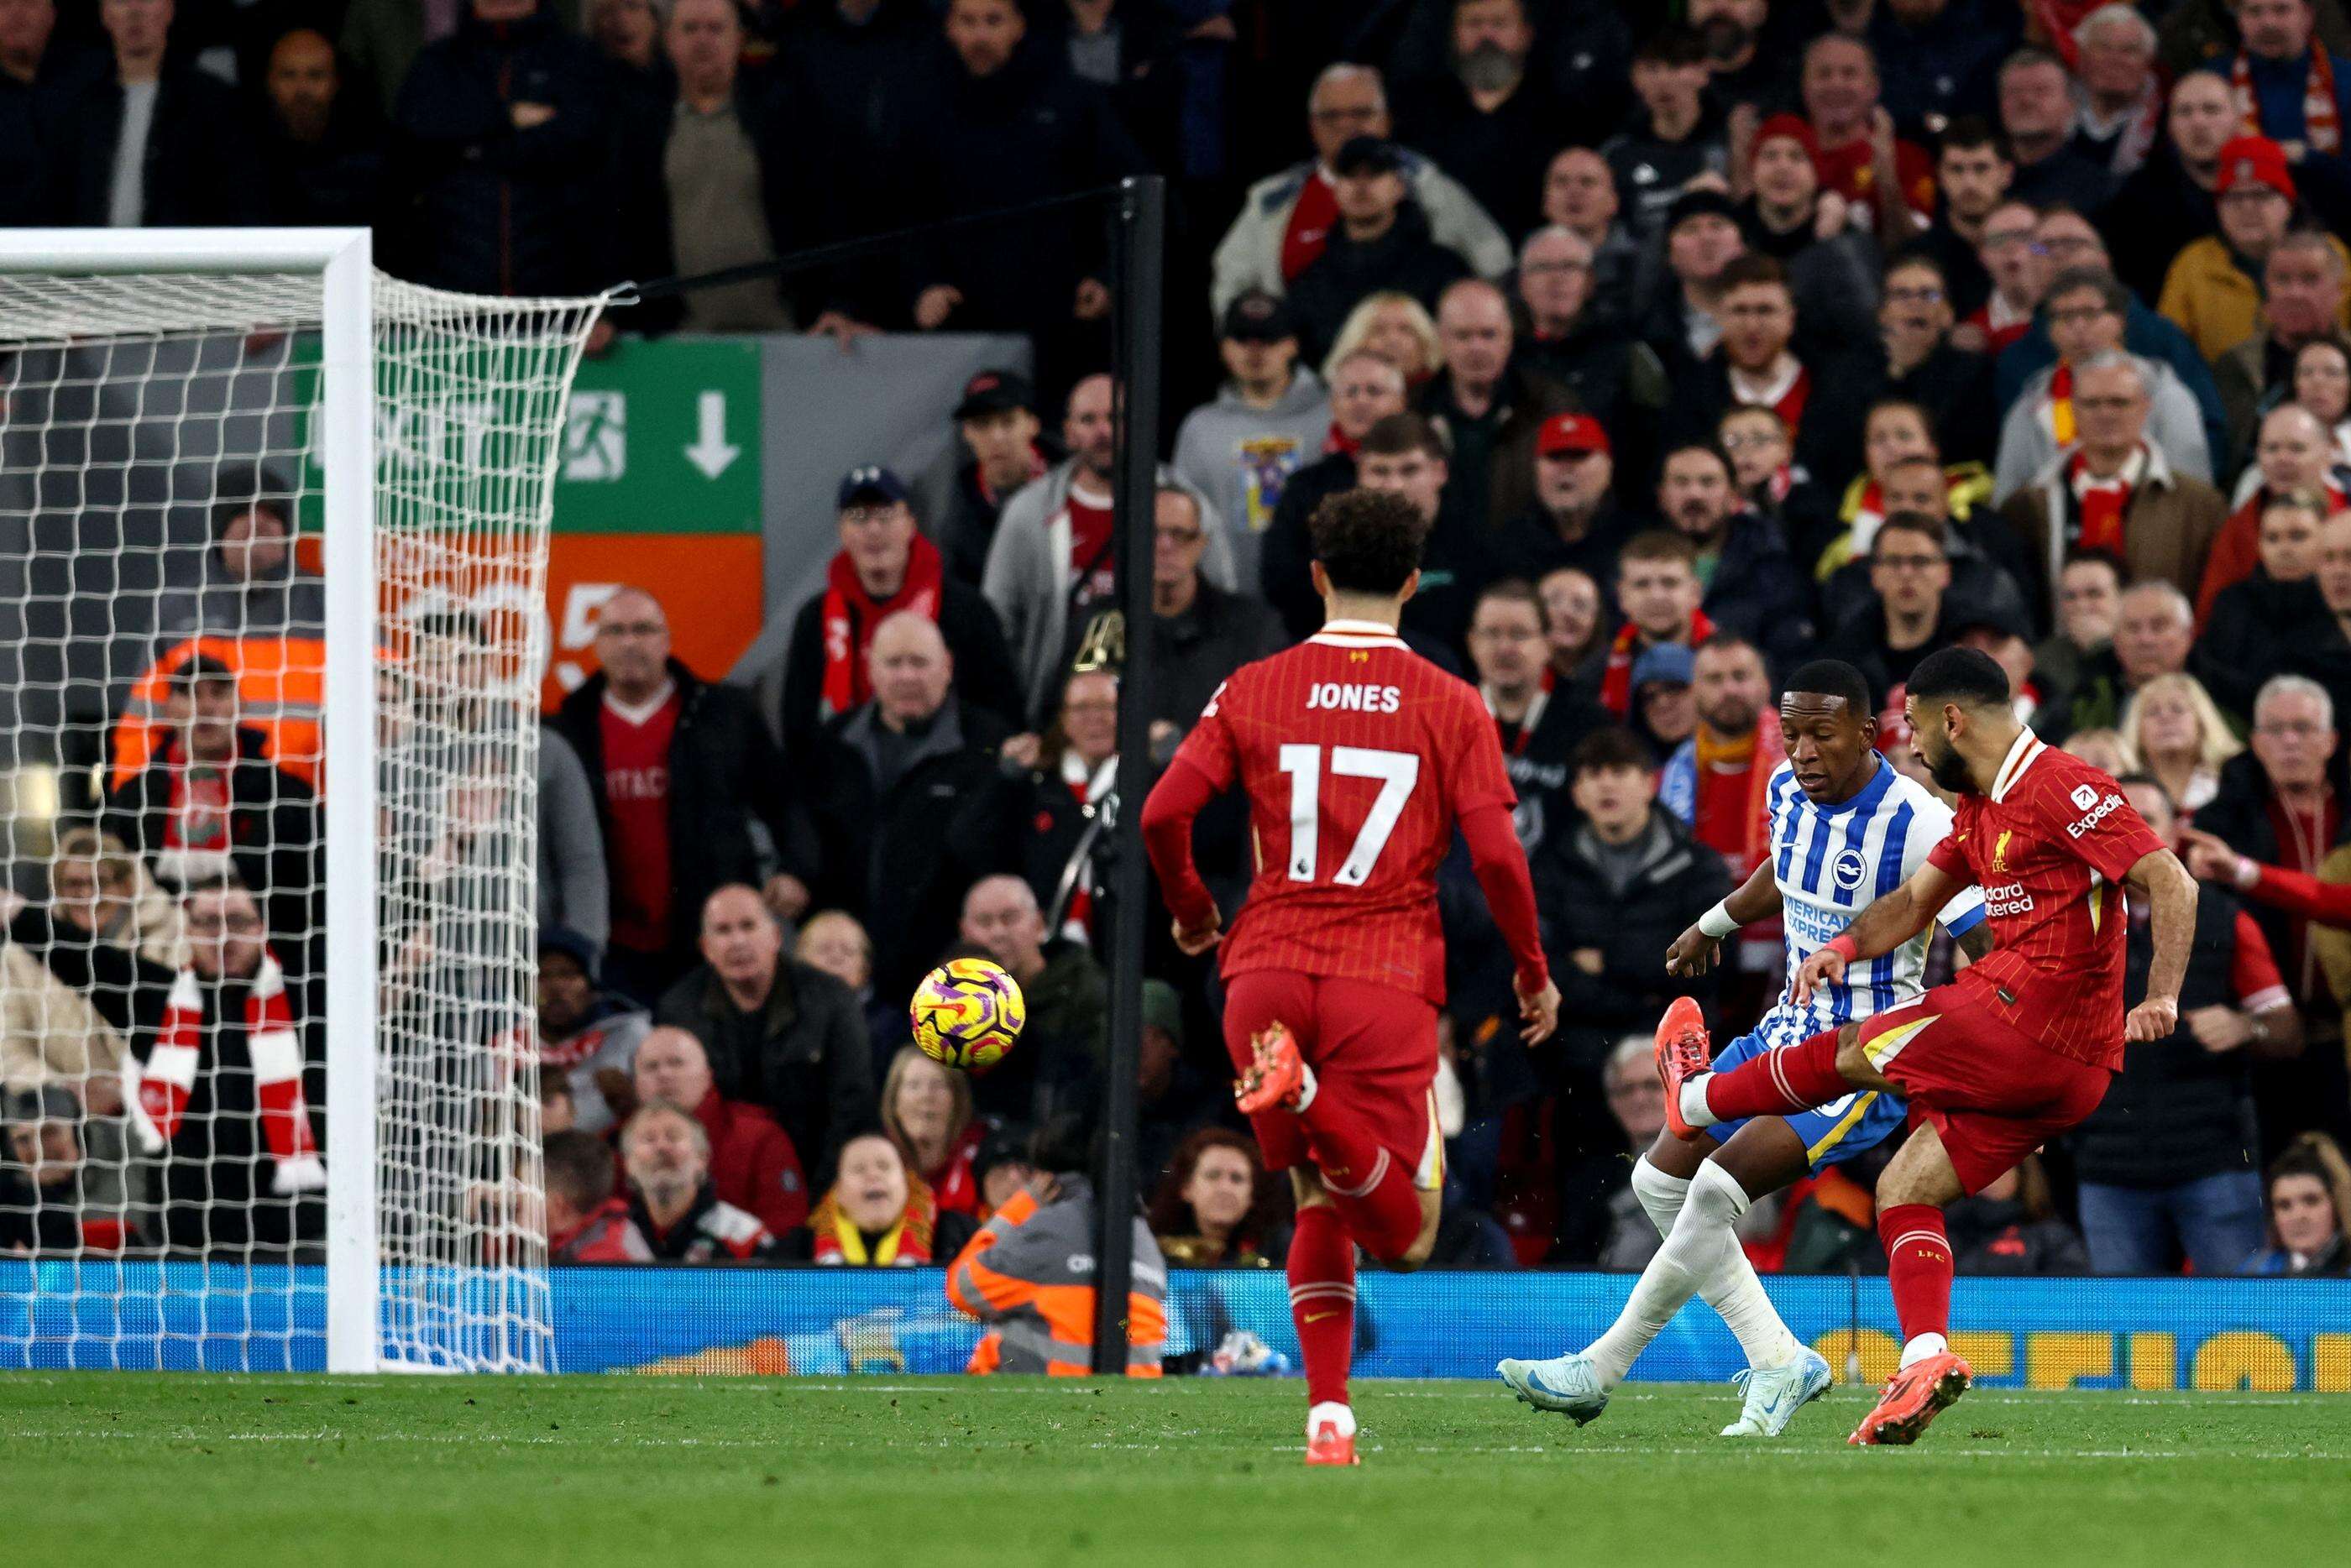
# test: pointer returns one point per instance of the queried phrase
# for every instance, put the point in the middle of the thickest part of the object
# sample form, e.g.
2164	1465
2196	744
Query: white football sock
1306	1086
1330	1410
1922	1346
1694	1109
1661	1195
1701	1257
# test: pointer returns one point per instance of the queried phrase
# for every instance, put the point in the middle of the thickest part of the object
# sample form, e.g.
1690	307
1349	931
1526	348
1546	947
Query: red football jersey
1358	756
2050	847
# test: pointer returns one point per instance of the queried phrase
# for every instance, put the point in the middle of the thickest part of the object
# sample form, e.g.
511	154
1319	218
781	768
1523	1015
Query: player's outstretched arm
1886	925
1695	949
2171	902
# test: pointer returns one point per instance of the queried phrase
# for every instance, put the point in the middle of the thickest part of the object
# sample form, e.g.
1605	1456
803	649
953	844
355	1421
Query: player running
2015	1051
1845	826
1359	759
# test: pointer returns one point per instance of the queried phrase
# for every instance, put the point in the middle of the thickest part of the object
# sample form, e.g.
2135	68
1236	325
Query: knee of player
1424	1243
1853	1061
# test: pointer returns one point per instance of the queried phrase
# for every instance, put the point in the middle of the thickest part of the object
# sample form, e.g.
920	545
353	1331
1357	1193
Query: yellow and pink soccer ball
966	1014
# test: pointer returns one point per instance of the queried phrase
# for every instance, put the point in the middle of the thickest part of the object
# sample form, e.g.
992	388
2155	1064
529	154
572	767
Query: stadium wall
2267	1334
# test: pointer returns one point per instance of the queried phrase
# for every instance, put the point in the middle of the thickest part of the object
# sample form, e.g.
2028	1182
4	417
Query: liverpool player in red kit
2016	1050
1359	759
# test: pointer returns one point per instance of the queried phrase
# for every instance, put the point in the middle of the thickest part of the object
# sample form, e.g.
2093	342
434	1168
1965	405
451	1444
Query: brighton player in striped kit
1359	759
2013	1052
1846	827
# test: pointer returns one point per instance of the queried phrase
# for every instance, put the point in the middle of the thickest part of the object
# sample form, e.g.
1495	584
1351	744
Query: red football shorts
1990	1090
1373	1051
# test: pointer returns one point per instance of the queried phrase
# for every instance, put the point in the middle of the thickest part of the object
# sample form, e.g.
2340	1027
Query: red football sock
1323	1300
1777	1082
1371	1185
1917	1267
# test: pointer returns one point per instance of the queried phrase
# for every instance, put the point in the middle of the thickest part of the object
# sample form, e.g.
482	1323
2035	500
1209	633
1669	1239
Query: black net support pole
1139	238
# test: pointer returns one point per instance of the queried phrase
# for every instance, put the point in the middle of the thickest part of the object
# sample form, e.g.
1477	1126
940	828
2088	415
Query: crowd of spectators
1709	338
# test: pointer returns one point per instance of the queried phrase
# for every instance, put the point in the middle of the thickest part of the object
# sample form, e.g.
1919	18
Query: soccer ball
966	1014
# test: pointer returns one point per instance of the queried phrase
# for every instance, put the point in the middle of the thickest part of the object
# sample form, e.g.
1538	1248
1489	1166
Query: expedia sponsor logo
2098	814
2007	899
2084	798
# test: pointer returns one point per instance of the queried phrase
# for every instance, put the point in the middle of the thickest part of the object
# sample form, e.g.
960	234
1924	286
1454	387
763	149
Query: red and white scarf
2100	505
851	614
274	1050
1087	787
1617	678
2322	122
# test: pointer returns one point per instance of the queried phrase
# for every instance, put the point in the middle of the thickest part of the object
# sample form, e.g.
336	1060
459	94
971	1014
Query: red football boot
1683	1053
1914	1396
1326	1446
1275	1074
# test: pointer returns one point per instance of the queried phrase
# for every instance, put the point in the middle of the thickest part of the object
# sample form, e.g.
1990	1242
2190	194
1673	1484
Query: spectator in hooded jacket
155	143
753	1164
775	1033
680	768
586	1034
1267	420
1380	240
504	138
1287	219
884	567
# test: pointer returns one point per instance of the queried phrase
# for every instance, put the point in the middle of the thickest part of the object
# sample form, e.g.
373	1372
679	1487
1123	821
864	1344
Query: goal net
273	543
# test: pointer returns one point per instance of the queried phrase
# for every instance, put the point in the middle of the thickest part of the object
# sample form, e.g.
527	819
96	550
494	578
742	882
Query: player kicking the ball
1845	826
2015	1051
1359	759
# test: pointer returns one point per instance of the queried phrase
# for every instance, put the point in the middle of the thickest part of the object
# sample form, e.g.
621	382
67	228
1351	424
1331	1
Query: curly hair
1369	541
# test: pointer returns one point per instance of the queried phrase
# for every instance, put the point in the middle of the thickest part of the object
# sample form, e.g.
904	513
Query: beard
1726	37
1490	68
1949	770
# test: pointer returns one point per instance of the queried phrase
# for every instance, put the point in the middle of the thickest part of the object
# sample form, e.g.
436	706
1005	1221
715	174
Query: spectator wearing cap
1287	219
1753	584
1573	339
2118	97
1486	406
585	1033
511	193
1380	241
1939	57
248	583
2306	296
2036	115
883	566
1658	586
679	767
2114	488
1272	414
154	141
1673	137
1493	112
1579	194
1366	387
1540	722
2168	202
997	450
2085	310
2213	291
322	144
1913	615
1575	519
1818	394
1702	237
1050	569
2287	83
1832	267
753	1164
1001	120
1201	633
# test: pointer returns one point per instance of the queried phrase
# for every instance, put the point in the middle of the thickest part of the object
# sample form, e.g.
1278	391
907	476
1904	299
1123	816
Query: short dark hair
251	487
1675	44
1723	642
1926	416
1833	678
1973	130
2074	279
1657	545
1963	675
1712	449
1915	261
1917	523
1369	541
1400	434
578	1168
1509	590
2105	558
2031	54
1749	269
202	670
1611	747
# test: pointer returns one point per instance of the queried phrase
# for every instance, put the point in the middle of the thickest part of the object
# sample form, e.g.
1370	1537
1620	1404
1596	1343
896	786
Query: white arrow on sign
711	452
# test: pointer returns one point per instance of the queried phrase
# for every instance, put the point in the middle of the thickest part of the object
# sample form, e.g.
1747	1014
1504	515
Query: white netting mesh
163	800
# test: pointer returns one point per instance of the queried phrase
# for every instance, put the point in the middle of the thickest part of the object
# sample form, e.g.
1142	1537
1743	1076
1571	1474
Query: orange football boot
1683	1053
1275	1076
1914	1396
1327	1447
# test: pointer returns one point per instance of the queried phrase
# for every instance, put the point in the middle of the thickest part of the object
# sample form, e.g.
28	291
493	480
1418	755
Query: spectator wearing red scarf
884	565
1657	582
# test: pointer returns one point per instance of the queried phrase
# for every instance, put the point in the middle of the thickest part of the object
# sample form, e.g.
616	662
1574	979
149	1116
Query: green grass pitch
654	1473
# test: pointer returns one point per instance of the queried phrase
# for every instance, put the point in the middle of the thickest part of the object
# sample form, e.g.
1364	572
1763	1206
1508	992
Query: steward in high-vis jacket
1030	1272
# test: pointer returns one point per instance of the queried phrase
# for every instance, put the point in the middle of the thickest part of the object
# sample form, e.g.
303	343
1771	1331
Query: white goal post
417	434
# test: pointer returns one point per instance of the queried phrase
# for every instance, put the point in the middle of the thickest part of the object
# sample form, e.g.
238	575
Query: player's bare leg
1910	1198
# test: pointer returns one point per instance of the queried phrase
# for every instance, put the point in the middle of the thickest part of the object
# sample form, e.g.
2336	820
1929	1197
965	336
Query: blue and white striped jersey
1830	862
